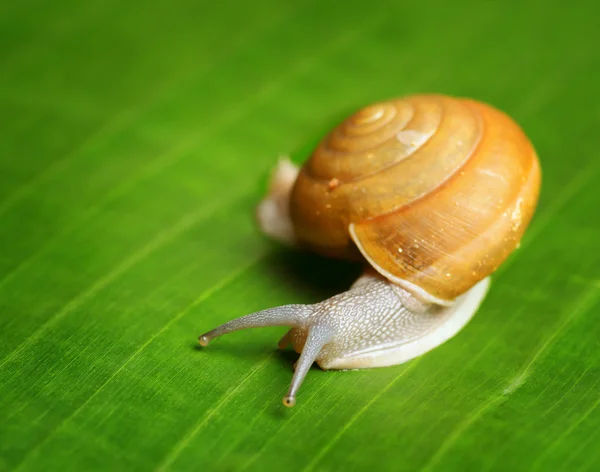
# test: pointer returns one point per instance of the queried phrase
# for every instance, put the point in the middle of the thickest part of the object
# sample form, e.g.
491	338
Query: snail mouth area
449	322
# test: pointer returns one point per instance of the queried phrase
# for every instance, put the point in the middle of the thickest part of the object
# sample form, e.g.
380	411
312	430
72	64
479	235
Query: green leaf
136	139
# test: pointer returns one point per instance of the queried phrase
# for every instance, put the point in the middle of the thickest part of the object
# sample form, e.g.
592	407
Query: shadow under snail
434	193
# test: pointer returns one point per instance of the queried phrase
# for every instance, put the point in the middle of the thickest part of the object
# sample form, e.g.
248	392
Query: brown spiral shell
434	191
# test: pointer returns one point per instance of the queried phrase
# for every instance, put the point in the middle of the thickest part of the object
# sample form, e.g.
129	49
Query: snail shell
434	191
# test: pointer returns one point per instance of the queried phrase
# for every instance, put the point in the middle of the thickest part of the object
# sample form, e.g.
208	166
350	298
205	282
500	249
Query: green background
136	140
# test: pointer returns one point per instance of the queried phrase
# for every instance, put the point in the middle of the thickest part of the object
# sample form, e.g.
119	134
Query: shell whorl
374	139
422	185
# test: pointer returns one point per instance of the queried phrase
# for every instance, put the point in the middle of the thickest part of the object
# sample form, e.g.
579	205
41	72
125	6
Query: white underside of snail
378	322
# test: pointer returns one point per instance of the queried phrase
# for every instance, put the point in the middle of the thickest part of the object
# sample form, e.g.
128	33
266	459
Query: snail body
434	193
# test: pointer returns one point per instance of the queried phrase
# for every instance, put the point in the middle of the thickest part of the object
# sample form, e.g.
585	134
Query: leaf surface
136	139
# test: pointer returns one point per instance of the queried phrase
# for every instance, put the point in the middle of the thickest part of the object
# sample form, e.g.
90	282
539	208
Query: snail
433	193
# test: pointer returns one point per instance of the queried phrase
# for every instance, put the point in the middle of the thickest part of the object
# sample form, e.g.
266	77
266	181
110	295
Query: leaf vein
202	297
584	303
356	416
184	223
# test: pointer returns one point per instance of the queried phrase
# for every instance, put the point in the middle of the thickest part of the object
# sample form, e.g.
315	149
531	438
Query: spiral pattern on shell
434	191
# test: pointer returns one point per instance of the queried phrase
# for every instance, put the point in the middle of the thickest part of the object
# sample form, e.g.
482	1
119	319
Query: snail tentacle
287	315
318	337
